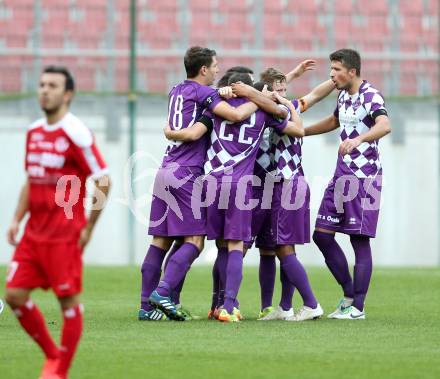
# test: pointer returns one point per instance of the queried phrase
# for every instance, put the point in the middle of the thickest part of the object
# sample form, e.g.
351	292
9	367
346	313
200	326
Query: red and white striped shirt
62	154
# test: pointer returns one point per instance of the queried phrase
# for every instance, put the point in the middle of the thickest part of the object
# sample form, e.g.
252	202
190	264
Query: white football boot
345	302
277	313
307	313
350	313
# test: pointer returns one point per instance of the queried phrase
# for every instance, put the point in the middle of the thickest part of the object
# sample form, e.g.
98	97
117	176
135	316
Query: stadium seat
408	75
292	26
159	30
11	75
87	31
411	7
274	6
55	23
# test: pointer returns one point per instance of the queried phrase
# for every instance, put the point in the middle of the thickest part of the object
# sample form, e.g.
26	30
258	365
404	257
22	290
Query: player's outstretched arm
230	113
294	129
226	92
102	188
380	129
307	65
261	100
20	212
294	126
316	94
193	133
324	126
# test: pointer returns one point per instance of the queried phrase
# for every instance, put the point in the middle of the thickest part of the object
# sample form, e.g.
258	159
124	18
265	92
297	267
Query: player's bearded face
212	71
51	92
340	75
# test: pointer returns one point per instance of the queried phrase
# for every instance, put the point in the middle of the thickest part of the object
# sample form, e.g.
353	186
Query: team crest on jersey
37	137
61	144
356	104
209	100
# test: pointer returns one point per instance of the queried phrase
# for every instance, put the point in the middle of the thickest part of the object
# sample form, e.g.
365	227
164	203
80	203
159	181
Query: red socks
71	334
33	322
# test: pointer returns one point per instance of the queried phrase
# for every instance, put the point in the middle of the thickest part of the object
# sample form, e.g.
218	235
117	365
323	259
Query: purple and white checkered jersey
264	163
356	114
186	103
235	145
287	153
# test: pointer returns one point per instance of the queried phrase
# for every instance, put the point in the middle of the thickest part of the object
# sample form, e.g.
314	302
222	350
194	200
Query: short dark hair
240	77
271	75
349	59
223	82
242	69
260	85
195	58
70	82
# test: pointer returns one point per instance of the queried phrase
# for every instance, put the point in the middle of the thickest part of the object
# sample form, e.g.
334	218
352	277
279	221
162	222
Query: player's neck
355	86
198	79
53	118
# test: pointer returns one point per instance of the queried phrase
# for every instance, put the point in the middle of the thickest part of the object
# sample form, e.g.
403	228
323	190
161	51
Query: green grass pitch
399	339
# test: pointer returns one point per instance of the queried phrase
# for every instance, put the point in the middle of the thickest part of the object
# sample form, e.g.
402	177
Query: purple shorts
262	233
229	217
291	212
351	205
172	213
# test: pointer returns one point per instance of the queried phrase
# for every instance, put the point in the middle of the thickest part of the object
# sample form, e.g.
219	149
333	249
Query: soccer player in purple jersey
175	295
287	151
290	225
194	133
171	214
230	162
219	267
351	201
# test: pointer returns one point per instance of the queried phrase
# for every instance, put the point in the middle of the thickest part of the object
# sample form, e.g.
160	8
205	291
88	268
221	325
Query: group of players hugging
232	172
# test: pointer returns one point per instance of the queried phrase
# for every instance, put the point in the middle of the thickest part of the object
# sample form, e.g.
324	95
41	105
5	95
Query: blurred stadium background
398	41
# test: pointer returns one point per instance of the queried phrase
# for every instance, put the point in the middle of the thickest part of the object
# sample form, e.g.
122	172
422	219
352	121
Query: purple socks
219	272
175	293
151	270
178	265
215	284
267	273
297	276
287	290
337	263
362	269
234	275
335	260
222	262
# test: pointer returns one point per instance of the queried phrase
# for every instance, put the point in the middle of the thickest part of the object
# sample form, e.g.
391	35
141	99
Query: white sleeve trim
77	131
99	174
37	123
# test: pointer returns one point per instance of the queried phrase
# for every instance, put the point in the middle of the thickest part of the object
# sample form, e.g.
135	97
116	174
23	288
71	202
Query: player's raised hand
226	92
12	232
242	90
348	145
84	237
268	94
306	65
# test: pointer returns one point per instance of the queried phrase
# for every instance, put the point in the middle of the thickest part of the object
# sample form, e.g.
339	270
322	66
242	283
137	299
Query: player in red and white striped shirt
60	154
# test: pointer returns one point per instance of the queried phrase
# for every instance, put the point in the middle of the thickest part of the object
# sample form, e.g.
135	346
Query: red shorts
46	265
